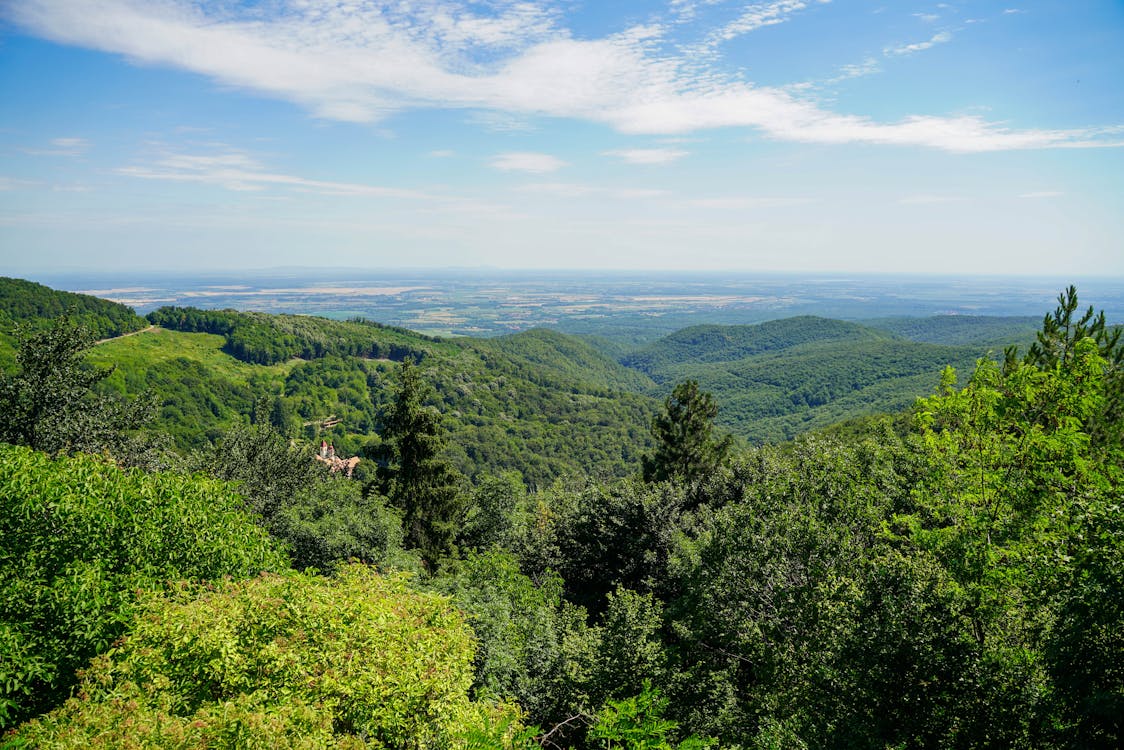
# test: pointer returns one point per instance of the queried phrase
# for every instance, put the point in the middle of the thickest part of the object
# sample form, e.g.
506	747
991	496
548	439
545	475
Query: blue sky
968	137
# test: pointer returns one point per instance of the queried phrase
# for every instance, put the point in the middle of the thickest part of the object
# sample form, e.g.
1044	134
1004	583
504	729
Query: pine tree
685	446
412	470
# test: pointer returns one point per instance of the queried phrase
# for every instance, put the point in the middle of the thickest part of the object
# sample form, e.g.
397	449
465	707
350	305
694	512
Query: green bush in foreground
79	538
280	661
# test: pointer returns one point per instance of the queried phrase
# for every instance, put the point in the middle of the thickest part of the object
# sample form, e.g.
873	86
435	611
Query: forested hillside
776	380
34	305
949	577
539	403
990	331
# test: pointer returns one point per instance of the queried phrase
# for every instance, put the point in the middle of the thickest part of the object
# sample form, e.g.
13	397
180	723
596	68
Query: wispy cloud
1043	194
867	67
581	190
11	183
926	200
648	155
759	15
746	202
511	59
940	37
238	171
523	161
61	147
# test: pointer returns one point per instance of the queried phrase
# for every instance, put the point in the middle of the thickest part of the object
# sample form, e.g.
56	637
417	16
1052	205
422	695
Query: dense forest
550	545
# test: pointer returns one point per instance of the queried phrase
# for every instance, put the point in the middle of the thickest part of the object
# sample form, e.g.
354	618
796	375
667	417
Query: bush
289	660
78	538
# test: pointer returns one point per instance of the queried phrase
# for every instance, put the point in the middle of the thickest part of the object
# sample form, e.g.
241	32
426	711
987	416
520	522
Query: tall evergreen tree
413	471
685	445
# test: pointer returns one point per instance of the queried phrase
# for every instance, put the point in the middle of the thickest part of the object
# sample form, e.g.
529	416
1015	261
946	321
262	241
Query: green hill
541	403
30	303
778	379
562	357
715	343
983	330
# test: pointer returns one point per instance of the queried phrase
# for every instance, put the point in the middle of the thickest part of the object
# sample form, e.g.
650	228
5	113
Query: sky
891	136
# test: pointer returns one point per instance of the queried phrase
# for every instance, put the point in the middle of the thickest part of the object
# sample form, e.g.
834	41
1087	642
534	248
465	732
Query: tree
413	471
685	446
49	404
1056	347
1060	333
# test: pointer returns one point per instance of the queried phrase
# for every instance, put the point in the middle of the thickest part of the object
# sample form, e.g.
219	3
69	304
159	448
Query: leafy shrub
78	538
289	660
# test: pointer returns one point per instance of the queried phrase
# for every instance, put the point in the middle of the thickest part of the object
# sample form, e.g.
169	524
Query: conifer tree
685	446
412	470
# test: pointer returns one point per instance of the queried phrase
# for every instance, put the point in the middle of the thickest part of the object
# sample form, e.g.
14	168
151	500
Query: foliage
78	539
33	304
713	343
501	414
543	354
413	473
269	339
289	660
954	330
1057	347
637	723
685	447
323	519
531	645
48	404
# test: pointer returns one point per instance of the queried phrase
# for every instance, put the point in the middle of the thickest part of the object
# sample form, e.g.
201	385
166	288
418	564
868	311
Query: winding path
123	335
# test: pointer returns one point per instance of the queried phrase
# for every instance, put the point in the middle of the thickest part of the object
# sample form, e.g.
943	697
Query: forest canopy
950	575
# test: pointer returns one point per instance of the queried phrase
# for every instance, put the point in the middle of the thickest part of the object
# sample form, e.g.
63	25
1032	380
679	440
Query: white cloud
648	155
867	67
927	17
1043	194
61	147
940	37
523	161
580	190
759	15
238	171
364	61
443	153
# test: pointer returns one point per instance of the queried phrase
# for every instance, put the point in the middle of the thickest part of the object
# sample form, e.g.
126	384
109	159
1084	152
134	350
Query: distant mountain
775	380
985	330
716	343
